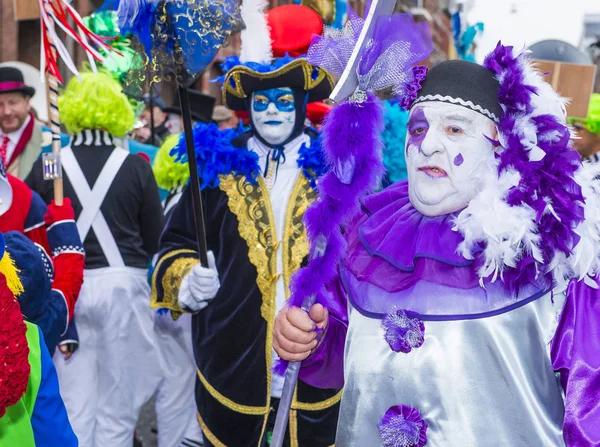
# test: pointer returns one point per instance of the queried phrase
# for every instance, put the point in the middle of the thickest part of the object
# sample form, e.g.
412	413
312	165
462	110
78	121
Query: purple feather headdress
527	218
351	138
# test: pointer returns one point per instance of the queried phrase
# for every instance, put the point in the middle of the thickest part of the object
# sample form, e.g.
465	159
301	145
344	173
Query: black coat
233	334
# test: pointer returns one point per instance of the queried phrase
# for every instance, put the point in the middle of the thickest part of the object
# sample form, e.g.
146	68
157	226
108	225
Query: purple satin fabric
398	257
432	301
325	367
575	352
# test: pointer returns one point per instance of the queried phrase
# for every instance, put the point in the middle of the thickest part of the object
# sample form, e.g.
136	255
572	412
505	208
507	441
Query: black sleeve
151	213
180	231
178	250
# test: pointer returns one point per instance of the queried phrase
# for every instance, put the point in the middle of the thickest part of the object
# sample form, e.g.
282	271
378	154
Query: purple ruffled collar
398	257
393	245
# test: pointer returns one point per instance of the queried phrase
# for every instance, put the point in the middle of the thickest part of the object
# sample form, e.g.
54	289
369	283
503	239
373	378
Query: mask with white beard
448	156
274	114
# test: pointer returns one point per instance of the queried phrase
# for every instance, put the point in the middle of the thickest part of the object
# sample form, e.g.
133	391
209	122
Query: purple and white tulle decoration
401	332
388	58
403	426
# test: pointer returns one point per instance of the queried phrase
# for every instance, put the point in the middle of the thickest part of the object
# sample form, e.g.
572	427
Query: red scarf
23	141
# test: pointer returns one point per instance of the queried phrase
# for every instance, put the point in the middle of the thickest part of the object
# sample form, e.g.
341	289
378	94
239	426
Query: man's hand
199	286
295	334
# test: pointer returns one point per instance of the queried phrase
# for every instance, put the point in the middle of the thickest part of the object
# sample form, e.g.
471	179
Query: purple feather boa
352	150
351	142
548	181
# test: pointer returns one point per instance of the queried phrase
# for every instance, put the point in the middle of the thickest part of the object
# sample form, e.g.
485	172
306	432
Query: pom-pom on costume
256	186
119	219
32	412
458	319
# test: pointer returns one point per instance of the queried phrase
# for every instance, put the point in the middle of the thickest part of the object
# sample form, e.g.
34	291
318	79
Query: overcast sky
524	22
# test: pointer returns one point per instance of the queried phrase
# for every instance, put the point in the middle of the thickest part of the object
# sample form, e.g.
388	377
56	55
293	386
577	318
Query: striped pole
53	114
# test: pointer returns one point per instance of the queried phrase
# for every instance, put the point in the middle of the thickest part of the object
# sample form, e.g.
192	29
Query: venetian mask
448	156
274	114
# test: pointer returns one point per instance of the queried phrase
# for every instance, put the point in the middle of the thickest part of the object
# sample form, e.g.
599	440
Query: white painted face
447	156
274	114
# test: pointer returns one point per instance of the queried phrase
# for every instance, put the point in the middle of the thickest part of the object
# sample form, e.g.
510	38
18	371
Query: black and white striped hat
462	83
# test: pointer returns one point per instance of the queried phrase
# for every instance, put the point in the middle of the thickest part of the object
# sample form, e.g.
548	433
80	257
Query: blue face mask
274	114
282	98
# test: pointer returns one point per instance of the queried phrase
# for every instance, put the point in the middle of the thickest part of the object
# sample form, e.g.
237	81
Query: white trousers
175	401
116	369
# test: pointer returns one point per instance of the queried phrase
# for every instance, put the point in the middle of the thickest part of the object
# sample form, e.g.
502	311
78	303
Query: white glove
199	286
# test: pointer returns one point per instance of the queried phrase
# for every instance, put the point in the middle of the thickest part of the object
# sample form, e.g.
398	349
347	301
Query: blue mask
274	114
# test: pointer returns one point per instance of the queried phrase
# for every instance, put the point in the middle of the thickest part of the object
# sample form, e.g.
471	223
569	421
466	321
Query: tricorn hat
256	69
12	81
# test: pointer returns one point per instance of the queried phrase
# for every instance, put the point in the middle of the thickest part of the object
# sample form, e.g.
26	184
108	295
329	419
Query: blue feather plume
137	17
394	138
215	155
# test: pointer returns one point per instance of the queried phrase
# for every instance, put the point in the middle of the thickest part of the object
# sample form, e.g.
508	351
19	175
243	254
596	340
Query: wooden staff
54	117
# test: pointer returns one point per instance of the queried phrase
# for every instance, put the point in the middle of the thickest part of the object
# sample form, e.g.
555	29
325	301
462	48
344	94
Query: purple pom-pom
403	426
280	367
401	332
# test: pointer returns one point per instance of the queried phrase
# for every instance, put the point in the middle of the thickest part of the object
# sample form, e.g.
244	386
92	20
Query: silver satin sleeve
477	383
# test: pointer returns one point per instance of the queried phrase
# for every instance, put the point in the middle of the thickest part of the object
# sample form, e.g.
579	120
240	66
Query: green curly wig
592	122
95	102
169	174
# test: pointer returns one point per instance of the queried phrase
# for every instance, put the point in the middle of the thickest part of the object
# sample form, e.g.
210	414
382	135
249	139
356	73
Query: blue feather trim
311	161
216	155
137	17
394	137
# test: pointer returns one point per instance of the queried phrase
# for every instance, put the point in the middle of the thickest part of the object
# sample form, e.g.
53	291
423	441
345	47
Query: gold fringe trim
293	428
264	428
295	242
309	83
256	225
318	405
171	280
11	273
244	409
209	434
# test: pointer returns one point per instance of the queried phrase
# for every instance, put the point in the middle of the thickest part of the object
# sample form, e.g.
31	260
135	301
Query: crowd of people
457	307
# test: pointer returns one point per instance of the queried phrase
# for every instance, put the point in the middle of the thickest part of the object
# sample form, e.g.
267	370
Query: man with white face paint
464	305
448	156
256	187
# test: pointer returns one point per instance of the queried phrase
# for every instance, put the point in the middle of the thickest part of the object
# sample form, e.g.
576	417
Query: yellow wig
169	174
96	102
